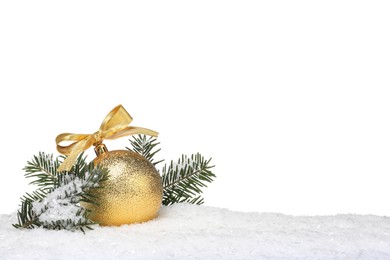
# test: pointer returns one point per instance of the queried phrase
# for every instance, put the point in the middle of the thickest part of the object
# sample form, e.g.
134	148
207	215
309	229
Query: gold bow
114	125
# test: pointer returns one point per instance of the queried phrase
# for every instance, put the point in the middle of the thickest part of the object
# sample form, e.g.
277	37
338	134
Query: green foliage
182	180
43	169
145	146
55	204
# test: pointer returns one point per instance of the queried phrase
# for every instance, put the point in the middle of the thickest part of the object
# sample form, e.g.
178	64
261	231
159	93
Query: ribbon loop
114	125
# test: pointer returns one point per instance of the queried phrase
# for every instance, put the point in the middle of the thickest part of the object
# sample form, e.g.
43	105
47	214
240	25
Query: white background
290	98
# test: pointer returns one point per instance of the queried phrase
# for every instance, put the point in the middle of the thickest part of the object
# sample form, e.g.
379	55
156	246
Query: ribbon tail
68	163
133	130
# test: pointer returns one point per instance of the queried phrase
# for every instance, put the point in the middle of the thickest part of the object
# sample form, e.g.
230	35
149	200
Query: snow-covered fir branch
62	203
56	205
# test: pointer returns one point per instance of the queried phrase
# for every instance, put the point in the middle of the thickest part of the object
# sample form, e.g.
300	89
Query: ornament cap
100	149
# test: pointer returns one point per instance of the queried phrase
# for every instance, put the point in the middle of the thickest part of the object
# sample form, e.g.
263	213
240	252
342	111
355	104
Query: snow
60	204
184	231
57	205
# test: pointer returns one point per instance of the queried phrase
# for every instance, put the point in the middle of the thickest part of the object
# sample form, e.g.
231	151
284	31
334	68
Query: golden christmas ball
132	193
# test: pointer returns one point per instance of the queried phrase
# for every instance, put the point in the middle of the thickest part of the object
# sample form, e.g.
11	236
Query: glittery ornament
132	193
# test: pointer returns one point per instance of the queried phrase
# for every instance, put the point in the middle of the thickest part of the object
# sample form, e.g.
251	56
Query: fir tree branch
55	205
145	146
44	169
183	181
26	216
